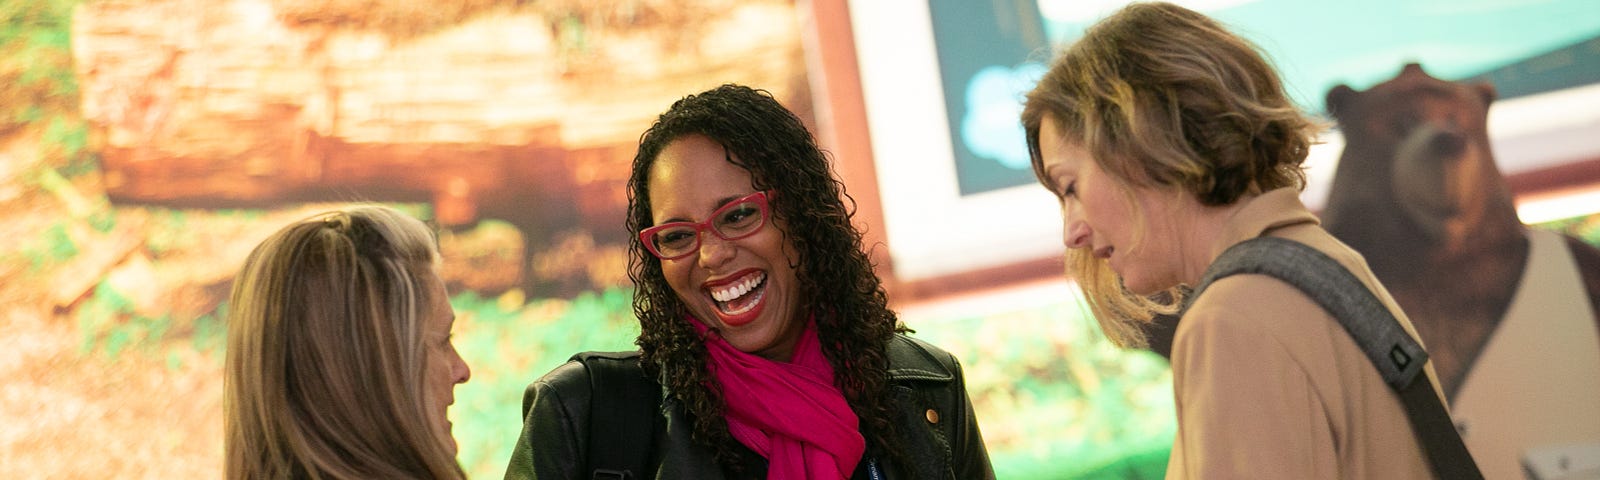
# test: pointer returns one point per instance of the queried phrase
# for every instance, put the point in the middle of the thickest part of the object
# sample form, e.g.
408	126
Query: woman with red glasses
767	347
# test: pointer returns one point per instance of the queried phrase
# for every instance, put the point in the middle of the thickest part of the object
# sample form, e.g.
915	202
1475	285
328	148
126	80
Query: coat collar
1269	211
913	360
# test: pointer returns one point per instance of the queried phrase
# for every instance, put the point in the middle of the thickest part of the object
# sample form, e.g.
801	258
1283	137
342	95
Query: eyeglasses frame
763	203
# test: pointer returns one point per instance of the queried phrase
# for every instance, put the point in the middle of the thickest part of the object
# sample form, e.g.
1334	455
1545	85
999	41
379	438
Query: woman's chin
1144	288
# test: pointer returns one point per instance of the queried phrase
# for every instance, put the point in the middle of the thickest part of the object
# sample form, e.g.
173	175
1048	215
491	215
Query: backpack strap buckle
607	474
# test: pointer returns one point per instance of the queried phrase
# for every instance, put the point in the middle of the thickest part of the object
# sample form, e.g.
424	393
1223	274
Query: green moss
98	318
36	76
167	231
55	247
68	137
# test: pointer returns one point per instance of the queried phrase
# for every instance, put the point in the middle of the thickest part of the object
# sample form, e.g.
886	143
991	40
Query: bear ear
1339	99
1487	91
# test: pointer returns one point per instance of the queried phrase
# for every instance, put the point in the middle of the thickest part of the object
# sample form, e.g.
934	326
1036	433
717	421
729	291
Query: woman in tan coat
1169	139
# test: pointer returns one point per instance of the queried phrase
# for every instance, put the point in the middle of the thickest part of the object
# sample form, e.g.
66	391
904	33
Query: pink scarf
790	413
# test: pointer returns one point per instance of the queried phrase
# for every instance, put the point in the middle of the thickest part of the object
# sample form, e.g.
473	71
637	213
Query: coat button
933	416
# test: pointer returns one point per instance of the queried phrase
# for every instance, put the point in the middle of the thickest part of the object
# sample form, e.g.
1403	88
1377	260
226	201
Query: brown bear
1508	314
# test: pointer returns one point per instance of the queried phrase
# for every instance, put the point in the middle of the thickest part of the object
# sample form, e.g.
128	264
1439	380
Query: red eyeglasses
737	219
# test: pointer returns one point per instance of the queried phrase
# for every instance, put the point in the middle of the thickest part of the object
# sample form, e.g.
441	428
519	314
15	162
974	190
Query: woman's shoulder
574	381
914	359
1247	308
1251	311
1257	301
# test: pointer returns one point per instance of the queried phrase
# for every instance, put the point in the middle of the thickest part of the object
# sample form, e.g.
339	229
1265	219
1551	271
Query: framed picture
942	83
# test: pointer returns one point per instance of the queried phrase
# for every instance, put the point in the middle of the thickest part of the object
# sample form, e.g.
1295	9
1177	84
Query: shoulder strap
1397	356
621	415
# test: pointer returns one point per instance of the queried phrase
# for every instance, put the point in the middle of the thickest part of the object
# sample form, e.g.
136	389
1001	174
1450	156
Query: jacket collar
912	360
1271	210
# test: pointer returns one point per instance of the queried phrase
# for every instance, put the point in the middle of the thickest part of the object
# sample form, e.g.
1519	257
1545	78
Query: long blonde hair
325	356
1166	98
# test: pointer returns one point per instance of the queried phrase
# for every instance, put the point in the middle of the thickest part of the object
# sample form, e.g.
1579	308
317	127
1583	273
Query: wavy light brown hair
326	357
837	282
1164	97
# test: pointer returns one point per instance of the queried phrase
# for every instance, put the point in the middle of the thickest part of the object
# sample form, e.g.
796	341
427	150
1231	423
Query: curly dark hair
837	282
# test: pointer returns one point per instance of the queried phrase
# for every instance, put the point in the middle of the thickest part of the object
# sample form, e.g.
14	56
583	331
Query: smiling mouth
739	297
1103	253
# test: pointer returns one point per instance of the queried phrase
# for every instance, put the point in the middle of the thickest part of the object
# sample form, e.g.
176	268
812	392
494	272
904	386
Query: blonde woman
340	362
1168	139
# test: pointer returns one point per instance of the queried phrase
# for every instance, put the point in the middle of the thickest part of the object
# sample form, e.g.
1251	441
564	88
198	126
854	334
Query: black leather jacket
937	428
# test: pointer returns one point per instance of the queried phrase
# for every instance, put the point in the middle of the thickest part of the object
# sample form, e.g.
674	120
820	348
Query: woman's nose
714	251
1074	233
464	372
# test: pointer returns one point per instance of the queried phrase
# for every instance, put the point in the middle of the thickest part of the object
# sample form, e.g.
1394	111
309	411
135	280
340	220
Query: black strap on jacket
622	413
1397	356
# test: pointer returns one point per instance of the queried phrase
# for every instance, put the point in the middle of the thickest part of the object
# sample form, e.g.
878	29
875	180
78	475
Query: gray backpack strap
1398	357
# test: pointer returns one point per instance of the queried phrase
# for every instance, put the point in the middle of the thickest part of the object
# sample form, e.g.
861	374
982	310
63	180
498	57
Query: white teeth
751	305
738	289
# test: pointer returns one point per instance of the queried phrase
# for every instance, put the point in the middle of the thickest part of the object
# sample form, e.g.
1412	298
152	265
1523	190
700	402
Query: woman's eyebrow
721	202
1053	173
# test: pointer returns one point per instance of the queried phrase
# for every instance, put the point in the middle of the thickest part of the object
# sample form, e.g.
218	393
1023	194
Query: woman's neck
1201	227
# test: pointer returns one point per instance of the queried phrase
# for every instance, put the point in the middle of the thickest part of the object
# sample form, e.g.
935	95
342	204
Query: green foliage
173	231
210	335
1586	228
509	346
1140	461
58	244
1150	463
68	135
36	75
168	231
103	220
51	247
109	324
1055	399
